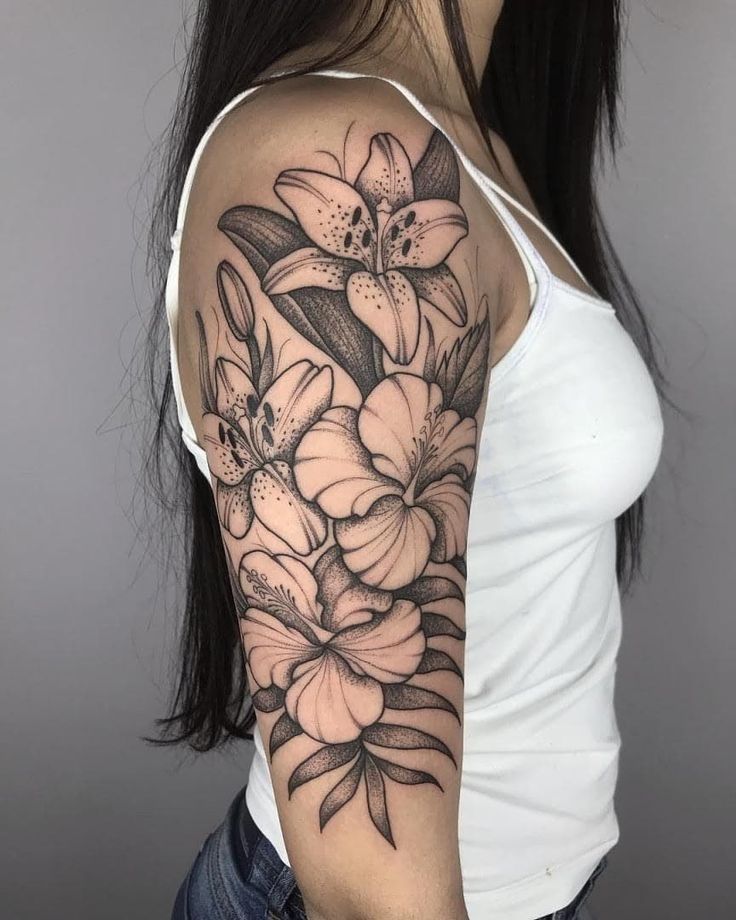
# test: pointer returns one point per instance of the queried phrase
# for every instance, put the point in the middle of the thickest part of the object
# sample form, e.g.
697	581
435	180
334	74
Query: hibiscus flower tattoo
395	485
336	656
352	616
333	657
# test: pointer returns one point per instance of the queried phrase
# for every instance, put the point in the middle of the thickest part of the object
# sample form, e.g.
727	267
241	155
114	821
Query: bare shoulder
322	123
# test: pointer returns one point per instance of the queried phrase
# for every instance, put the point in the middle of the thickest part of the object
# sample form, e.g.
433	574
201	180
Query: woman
415	433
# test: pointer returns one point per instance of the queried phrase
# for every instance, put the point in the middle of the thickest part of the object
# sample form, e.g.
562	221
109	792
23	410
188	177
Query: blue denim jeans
238	875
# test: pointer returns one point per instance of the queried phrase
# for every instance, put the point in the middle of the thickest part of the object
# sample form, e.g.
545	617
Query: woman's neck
424	63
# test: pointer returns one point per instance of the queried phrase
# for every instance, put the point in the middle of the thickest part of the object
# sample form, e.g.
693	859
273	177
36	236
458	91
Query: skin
395	658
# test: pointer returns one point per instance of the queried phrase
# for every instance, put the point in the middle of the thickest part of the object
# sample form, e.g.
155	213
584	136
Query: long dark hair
550	90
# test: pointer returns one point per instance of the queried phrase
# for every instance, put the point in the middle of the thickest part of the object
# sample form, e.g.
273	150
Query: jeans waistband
251	848
248	836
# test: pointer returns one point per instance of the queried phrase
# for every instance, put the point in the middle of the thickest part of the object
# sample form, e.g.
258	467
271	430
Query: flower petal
422	234
346	601
386	174
293	402
334	469
229	456
235	390
272	649
389	547
280	506
395	423
308	267
389	648
331	213
332	703
387	304
234	507
451	448
448	502
283	587
439	287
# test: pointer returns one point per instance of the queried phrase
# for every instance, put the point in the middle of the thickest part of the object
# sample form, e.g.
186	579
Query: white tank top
571	437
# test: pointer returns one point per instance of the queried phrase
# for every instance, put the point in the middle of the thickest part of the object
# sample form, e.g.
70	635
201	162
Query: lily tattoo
250	443
377	242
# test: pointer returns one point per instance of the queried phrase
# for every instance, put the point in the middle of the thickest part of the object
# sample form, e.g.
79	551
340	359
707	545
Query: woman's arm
341	348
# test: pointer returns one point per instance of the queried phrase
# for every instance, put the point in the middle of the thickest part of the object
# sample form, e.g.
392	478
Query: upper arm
343	348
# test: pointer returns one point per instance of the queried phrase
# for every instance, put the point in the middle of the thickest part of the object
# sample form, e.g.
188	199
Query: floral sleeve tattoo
346	520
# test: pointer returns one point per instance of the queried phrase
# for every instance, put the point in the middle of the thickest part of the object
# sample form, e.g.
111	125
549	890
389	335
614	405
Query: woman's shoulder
315	125
320	120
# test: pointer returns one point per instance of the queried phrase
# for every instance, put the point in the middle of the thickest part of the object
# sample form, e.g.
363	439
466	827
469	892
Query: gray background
95	824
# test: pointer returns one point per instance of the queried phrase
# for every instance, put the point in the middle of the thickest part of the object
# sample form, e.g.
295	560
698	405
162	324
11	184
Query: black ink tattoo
367	503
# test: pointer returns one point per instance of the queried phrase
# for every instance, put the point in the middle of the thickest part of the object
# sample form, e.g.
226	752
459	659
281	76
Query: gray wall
96	825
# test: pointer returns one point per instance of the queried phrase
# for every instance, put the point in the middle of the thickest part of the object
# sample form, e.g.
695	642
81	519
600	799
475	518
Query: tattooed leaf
428	589
255	357
336	331
376	794
209	400
404	775
437	175
293	313
326	759
462	371
459	561
430	358
405	696
439	287
284	730
241	604
341	793
435	660
266	373
378	359
263	236
268	700
435	624
404	738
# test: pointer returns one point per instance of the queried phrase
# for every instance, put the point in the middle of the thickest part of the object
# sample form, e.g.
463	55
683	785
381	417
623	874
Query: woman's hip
238	875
